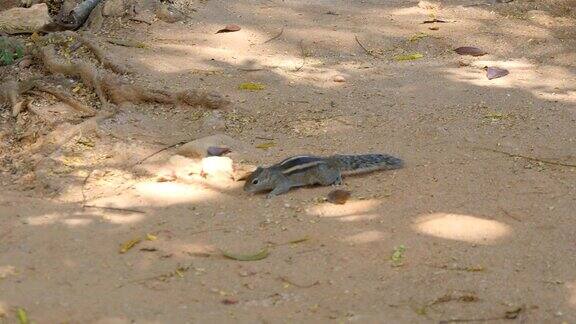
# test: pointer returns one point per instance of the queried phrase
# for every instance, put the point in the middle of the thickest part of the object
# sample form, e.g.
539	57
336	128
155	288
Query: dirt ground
484	208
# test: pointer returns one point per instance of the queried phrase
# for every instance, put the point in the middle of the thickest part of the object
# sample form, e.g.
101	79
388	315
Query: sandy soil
484	207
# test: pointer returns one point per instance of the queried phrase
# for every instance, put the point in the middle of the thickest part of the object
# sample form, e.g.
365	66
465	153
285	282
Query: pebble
339	78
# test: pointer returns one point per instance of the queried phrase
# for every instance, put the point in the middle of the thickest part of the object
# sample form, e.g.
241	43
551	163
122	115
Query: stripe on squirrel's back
298	160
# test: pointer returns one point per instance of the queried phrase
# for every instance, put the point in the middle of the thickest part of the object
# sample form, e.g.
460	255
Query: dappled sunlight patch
6	271
572	293
360	217
351	208
77	222
46	219
365	237
121	218
545	82
464	228
169	193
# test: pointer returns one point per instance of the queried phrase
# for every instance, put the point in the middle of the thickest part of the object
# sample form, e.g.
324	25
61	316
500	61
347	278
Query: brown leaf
512	314
338	196
217	151
469	50
229	301
494	72
229	29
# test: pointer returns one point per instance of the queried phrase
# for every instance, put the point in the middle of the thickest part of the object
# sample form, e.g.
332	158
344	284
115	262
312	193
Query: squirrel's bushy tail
354	164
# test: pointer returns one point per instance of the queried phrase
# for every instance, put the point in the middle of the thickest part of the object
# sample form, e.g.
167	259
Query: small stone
24	20
25	63
338	196
339	78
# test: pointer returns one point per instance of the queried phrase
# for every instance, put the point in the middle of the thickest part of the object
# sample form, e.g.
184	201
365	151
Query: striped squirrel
305	170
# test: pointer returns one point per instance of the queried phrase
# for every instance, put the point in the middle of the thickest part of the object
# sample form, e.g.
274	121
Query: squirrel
306	170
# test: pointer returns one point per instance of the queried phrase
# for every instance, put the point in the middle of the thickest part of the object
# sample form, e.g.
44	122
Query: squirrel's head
259	180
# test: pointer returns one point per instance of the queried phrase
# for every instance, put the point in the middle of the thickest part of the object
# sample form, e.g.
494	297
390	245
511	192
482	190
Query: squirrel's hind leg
327	176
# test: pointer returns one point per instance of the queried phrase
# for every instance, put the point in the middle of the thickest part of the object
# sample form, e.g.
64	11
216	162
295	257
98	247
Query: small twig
275	37
208	231
467	320
265	138
160	151
250	69
507	213
288	281
84	182
369	52
116	209
303	56
529	158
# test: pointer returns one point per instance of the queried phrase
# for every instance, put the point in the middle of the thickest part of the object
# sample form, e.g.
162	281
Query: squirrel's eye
255	181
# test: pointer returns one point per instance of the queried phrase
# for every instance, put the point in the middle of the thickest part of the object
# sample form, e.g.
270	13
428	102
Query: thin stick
84	188
507	213
275	37
529	158
369	52
467	320
116	209
303	56
160	151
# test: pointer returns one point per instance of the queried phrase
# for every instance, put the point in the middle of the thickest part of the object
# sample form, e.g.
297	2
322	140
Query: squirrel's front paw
270	195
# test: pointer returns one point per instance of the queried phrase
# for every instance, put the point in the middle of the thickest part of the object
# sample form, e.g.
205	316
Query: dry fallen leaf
22	316
229	29
431	21
247	257
409	57
217	151
494	72
266	145
418	36
128	245
469	50
338	196
251	86
397	257
151	237
304	239
229	301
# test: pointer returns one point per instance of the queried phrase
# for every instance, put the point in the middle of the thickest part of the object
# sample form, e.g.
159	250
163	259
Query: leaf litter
409	57
262	254
228	29
397	257
252	86
126	246
469	50
495	72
